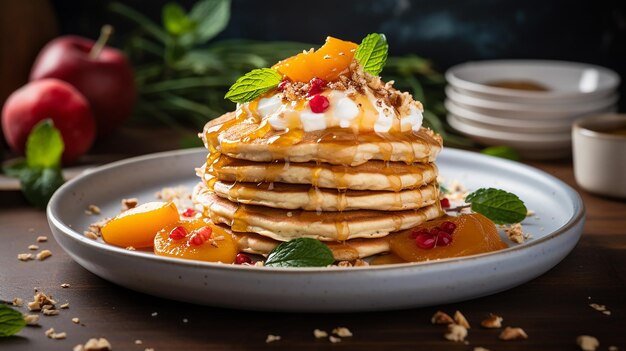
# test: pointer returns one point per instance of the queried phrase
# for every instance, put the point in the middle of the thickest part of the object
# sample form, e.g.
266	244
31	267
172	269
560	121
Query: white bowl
530	111
508	124
566	80
529	145
539	102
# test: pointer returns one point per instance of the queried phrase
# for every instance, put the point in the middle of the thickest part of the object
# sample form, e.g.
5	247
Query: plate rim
576	218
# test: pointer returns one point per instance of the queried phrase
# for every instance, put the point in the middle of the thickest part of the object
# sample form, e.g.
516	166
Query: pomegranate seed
435	230
319	103
426	241
178	233
443	239
417	232
190	212
445	203
316	86
196	240
448	227
204	232
283	84
241	259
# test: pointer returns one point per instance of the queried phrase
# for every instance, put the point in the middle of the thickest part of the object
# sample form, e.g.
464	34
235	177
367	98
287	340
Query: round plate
555	230
568	81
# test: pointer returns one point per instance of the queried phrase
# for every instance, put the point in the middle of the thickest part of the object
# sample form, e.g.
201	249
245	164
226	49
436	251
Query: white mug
600	154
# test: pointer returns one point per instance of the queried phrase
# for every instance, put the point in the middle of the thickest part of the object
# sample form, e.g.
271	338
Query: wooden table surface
553	309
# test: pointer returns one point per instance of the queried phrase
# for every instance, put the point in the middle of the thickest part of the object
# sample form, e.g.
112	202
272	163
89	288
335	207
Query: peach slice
327	63
137	226
196	240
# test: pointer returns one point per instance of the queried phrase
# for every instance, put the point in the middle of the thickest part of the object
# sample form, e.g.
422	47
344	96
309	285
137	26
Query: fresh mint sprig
253	84
372	53
40	174
11	321
498	205
301	252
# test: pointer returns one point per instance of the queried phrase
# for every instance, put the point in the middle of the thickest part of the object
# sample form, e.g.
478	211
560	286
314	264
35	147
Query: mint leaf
498	205
11	321
253	84
502	152
175	20
301	252
44	145
38	184
372	53
14	169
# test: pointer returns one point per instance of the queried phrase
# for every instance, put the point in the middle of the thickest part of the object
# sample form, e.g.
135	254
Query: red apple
104	77
54	99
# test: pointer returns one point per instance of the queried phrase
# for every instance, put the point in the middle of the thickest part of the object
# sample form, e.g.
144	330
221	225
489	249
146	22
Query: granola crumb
131	248
25	257
75	320
33	247
127	204
50	333
94	344
18	302
510	333
31	319
334	339
344	264
460	319
587	342
492	322
318	333
342	332
456	333
40	300
441	317
43	254
42	239
515	232
65	285
92	210
96	227
271	338
360	263
50	312
65	306
91	235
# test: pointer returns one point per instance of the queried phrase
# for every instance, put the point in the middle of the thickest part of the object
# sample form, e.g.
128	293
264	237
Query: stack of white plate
536	123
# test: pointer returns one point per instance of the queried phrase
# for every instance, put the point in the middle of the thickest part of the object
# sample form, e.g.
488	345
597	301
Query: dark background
446	31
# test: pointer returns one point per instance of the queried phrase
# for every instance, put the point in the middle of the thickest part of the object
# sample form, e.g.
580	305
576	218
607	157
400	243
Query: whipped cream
362	112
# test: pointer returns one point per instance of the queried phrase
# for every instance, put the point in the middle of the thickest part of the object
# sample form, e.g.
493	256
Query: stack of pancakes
349	190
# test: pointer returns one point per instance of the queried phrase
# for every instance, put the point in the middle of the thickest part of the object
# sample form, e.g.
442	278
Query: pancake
284	225
348	250
306	197
259	142
373	175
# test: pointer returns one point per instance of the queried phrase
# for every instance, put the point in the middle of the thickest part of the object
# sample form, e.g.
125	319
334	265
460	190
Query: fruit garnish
137	226
498	205
316	86
242	258
445	203
372	53
319	103
301	252
203	241
327	63
190	212
253	84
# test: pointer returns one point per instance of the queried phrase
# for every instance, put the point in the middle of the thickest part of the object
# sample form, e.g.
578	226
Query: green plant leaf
14	169
301	252
11	321
38	184
253	84
502	152
498	205
175	20
44	145
211	16
372	53
144	22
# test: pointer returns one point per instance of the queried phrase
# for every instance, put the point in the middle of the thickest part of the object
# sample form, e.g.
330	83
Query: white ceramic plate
568	81
530	111
555	230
